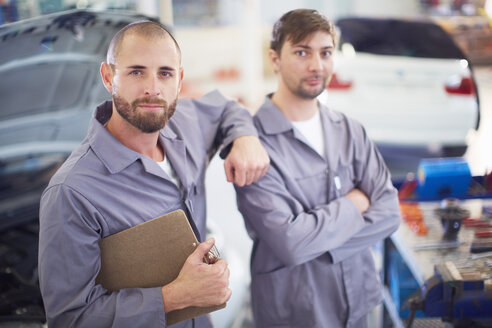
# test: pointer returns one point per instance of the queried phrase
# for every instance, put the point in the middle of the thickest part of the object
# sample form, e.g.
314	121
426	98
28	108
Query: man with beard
145	155
326	198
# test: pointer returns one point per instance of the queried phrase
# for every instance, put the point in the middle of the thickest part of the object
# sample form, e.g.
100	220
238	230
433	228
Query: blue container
443	177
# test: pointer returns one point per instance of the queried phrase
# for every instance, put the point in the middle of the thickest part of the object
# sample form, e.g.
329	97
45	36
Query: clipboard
150	254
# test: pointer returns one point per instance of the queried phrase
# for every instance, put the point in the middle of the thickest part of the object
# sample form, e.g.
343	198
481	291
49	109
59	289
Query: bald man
145	155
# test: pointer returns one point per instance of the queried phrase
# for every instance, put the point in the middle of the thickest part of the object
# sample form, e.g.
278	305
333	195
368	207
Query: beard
306	93
147	122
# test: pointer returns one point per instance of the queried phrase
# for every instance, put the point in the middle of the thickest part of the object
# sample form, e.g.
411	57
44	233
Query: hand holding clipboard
152	254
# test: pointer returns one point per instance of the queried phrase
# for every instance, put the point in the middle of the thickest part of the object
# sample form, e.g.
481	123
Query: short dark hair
145	28
296	25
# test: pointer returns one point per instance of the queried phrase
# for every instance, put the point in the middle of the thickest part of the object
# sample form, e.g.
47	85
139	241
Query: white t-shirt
312	130
166	166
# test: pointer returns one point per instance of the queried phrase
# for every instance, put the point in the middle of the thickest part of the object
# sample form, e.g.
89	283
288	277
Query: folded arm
295	235
383	215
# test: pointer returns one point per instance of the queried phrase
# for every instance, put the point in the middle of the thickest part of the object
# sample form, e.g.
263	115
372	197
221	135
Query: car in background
408	83
50	87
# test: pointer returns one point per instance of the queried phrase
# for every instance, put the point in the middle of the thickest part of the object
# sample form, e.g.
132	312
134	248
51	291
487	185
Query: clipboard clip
212	256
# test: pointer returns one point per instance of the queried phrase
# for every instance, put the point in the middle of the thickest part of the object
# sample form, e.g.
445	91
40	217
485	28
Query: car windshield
398	38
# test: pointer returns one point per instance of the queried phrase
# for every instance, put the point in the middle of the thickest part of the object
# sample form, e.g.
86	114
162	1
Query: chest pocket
312	190
341	181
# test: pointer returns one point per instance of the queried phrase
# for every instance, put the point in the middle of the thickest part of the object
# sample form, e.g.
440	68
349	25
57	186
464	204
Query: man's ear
275	59
181	75
107	76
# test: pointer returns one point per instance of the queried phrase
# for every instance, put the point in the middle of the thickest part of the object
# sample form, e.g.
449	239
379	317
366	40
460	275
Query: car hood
51	63
50	86
50	66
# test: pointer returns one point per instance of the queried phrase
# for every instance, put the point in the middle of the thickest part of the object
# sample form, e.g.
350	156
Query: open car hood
50	87
50	66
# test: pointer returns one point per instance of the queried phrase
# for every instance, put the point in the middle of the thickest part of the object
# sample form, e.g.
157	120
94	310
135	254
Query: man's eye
301	53
326	53
166	74
136	72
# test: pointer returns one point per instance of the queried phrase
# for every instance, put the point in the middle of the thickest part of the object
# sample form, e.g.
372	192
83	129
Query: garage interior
436	269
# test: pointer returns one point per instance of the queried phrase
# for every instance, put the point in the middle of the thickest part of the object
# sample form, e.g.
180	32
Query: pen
338	185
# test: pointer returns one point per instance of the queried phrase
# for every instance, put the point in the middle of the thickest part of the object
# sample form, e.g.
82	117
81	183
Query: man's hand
198	283
247	161
359	199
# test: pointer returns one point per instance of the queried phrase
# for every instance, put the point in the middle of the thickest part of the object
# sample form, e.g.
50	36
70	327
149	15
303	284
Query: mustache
315	76
149	100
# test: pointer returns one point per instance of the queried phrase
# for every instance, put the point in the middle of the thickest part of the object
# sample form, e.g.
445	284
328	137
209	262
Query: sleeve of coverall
221	120
68	265
383	216
295	236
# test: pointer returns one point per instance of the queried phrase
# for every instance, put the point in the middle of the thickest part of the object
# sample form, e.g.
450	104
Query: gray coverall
311	262
104	188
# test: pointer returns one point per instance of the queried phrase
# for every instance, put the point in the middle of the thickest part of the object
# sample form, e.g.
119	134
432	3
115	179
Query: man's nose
316	63
152	86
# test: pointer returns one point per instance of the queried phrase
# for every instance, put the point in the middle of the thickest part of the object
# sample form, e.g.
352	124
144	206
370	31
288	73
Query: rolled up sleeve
221	120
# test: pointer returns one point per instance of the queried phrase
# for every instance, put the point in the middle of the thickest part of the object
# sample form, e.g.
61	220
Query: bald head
147	29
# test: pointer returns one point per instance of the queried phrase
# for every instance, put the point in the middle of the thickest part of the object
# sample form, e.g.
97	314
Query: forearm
294	235
170	300
383	215
380	222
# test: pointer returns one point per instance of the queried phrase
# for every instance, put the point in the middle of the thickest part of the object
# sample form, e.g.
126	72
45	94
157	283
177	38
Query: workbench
409	259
